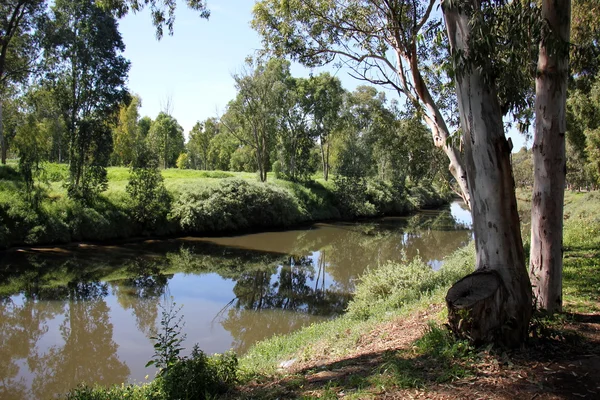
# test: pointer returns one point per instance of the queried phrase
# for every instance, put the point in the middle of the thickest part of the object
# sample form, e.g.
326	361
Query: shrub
183	161
235	205
392	284
386	197
199	376
351	197
150	201
277	169
9	173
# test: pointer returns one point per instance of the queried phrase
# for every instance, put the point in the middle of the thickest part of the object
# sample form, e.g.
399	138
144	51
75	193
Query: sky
192	70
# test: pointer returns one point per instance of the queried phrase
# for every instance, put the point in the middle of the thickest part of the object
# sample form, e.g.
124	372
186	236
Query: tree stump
475	307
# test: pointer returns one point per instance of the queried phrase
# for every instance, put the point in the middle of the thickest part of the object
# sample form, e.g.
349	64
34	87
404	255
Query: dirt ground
563	364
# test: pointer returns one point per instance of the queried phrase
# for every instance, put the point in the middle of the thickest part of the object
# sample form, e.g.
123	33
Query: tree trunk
549	158
323	159
2	140
496	228
439	130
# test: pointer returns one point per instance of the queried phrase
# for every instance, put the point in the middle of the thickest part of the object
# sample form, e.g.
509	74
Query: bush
386	198
9	173
183	161
236	205
199	376
150	201
351	197
393	285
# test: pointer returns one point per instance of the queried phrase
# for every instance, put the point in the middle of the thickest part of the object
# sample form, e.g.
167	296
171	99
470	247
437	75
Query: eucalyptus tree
222	147
295	136
144	125
199	143
165	139
385	43
83	50
486	42
253	116
325	97
549	157
19	45
126	133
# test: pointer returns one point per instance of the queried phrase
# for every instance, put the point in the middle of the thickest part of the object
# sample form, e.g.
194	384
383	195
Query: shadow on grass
434	358
564	362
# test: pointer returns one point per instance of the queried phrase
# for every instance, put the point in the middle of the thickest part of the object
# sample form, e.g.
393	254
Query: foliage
236	205
88	74
199	376
196	376
583	135
399	45
200	201
168	340
394	285
183	161
199	146
165	139
522	165
150	201
162	11
252	117
126	134
19	40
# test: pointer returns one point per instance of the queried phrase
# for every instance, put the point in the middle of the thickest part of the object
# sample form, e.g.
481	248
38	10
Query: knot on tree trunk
476	307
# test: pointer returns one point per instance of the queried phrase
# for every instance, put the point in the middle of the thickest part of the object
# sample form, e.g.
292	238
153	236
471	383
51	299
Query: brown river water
85	313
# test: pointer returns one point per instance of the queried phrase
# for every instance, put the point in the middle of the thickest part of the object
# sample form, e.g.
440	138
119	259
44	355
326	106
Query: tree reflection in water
141	293
280	281
278	300
88	352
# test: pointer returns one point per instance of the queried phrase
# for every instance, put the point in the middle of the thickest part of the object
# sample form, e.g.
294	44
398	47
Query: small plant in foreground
195	377
168	340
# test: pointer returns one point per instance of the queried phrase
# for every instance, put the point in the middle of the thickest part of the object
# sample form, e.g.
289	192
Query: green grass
581	243
380	296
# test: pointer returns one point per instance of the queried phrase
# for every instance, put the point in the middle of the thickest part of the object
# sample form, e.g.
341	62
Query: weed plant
196	376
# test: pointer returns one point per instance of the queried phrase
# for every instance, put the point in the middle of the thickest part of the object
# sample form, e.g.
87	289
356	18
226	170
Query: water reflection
86	313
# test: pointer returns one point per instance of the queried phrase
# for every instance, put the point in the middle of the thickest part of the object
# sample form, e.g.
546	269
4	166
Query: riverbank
196	203
406	352
392	343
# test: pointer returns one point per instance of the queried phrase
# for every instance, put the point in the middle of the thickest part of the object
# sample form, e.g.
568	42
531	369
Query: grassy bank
392	342
198	202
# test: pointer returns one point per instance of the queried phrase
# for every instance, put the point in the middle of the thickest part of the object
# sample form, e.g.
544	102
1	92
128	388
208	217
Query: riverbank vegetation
141	202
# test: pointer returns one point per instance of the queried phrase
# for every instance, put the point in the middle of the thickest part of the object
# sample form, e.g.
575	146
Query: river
85	313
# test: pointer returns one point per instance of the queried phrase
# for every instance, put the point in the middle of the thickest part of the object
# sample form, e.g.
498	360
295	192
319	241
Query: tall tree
83	47
165	139
19	20
325	97
295	136
126	134
252	117
549	157
199	143
385	43
500	309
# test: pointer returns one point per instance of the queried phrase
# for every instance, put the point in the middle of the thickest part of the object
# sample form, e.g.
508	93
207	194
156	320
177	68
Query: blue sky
194	66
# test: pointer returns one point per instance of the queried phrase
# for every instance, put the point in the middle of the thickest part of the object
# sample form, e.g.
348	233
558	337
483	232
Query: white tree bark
493	203
550	159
